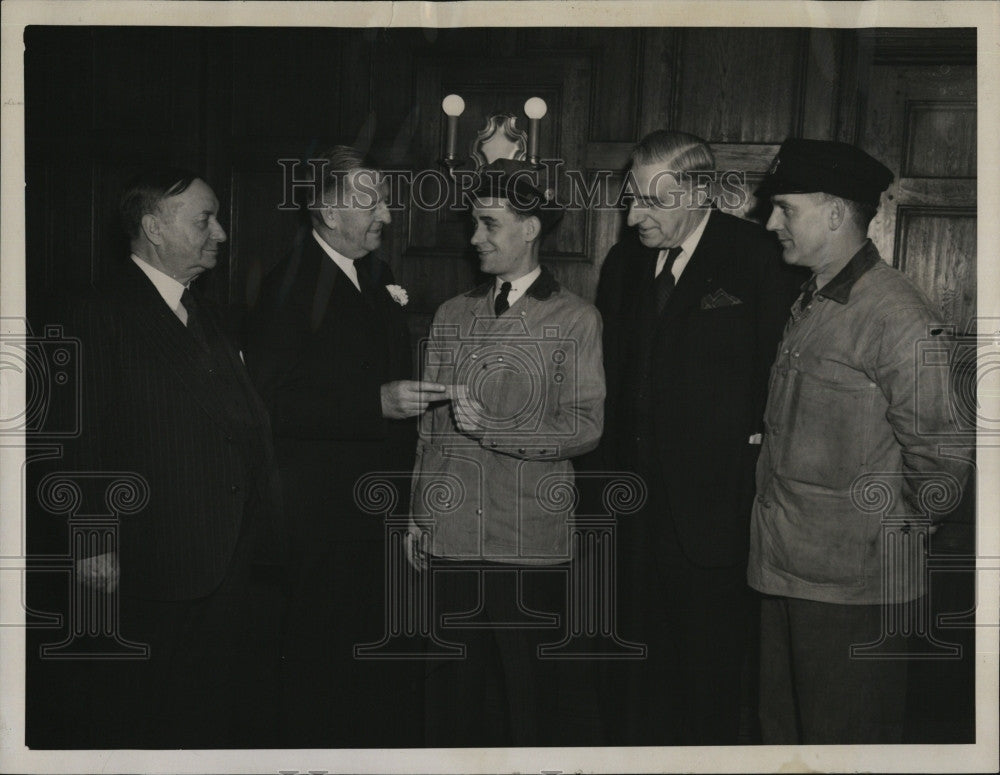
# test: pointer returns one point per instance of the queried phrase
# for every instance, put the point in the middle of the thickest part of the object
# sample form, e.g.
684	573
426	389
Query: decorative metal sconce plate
499	139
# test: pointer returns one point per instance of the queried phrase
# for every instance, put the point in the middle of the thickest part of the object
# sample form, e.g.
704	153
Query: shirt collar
346	264
839	288
692	240
168	288
521	284
541	288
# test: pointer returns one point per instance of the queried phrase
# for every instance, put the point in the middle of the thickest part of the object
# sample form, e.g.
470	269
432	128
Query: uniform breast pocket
827	441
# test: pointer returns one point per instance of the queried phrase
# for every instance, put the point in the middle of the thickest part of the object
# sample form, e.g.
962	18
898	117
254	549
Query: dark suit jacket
151	406
709	371
319	352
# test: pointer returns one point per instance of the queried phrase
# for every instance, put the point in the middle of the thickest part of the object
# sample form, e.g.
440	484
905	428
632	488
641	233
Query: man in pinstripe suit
166	395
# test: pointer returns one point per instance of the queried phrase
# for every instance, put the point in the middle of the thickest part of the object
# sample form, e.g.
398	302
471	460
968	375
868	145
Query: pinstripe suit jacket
152	406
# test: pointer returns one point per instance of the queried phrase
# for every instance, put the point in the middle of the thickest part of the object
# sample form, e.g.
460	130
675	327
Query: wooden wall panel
286	83
59	86
915	119
260	234
233	101
896	90
821	75
741	85
399	116
59	94
940	140
613	53
657	73
147	86
942	244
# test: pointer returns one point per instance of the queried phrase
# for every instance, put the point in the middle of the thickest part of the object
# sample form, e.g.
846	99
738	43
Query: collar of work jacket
839	288
541	289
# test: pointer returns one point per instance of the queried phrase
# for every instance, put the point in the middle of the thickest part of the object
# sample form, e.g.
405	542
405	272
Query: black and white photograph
499	387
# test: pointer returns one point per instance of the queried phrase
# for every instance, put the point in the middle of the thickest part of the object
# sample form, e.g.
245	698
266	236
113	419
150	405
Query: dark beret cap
519	183
807	166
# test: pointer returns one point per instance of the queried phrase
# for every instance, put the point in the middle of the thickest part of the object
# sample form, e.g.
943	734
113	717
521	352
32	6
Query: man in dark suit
329	349
167	397
693	304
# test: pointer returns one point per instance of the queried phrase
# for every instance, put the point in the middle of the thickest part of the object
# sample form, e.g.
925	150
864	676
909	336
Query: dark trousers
209	681
811	689
504	693
694	622
330	699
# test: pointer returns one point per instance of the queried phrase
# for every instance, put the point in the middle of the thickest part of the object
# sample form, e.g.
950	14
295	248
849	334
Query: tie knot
187	299
672	254
500	304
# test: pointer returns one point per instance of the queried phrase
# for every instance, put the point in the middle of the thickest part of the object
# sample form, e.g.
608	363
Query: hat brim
523	201
772	186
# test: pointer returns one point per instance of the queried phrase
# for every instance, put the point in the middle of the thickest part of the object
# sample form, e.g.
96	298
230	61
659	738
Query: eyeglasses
647	202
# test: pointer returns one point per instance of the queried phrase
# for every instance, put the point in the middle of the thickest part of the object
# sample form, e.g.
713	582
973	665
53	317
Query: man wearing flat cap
845	422
521	357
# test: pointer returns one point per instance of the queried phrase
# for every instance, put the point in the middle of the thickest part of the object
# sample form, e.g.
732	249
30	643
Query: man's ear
838	212
531	228
329	216
150	225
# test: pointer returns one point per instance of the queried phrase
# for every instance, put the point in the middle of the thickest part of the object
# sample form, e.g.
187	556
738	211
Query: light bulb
535	107
453	105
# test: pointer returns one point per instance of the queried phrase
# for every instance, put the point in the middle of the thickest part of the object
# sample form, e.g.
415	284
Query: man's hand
469	415
408	398
99	571
414	545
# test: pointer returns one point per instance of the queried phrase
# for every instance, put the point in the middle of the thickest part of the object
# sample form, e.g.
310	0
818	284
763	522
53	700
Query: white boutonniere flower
398	294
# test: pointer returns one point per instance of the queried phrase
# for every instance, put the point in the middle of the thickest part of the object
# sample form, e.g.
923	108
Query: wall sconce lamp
534	109
453	106
499	138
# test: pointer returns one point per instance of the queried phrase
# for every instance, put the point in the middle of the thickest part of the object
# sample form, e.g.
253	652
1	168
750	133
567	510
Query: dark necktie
500	304
664	282
368	289
807	295
216	356
194	322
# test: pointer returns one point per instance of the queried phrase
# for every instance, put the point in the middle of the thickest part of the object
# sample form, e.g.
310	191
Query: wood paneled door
919	118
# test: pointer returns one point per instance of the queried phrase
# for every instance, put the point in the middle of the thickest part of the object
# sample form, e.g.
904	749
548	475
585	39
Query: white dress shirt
346	264
518	286
687	249
167	287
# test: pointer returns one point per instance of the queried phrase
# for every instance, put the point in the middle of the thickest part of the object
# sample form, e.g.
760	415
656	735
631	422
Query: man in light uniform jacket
521	356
